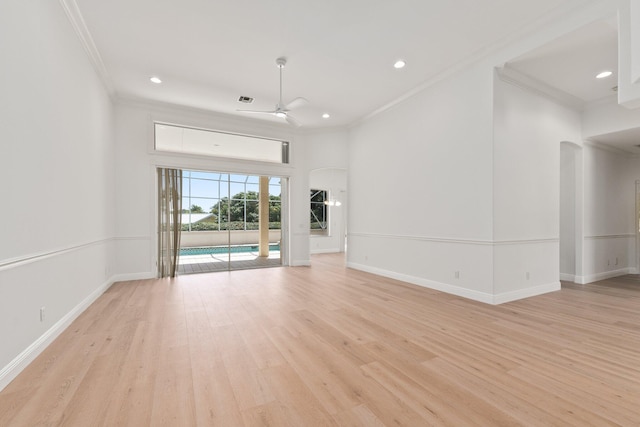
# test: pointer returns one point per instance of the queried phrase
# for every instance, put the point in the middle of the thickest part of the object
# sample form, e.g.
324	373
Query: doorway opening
230	222
328	210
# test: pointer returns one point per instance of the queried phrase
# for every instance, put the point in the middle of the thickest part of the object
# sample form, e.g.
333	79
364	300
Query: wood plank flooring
325	346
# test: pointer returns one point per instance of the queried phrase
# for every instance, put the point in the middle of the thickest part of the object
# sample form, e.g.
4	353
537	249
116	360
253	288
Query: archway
331	237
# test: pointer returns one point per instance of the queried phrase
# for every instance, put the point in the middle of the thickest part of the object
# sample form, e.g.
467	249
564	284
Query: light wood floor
330	346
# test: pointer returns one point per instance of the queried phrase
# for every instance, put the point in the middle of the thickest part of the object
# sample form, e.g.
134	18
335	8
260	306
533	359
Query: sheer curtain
169	220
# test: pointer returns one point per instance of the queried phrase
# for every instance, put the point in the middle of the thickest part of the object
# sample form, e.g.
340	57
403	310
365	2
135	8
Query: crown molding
602	102
72	11
524	81
590	142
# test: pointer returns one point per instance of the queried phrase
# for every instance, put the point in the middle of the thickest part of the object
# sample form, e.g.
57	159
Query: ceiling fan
281	110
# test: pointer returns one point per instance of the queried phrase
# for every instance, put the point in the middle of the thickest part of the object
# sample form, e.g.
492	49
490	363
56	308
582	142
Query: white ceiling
570	64
626	140
340	53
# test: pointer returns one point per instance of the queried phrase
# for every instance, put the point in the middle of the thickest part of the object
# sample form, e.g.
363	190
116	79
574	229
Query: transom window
180	139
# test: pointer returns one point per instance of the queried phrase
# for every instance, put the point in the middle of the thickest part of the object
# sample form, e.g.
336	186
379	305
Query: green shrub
233	225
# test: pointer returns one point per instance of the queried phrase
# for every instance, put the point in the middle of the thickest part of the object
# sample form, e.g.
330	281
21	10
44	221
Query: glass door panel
222	228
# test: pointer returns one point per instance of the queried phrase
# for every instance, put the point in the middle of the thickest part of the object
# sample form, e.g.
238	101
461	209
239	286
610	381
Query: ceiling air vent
245	99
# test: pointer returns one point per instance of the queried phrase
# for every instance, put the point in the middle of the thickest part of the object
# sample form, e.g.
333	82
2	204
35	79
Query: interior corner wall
610	222
57	169
567	211
528	130
571	211
420	188
136	178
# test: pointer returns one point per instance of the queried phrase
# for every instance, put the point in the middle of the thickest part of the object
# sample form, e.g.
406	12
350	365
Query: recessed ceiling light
326	116
399	64
155	80
604	74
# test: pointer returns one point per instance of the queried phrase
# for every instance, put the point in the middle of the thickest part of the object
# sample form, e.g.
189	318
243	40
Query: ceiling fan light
399	64
281	114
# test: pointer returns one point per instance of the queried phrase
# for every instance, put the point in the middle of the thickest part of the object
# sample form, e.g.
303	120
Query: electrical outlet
42	313
616	260
527	275
457	274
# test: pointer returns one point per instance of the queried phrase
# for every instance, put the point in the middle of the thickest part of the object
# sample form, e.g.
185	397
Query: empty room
292	213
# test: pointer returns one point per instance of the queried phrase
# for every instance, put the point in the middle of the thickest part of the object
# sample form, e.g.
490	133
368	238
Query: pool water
212	250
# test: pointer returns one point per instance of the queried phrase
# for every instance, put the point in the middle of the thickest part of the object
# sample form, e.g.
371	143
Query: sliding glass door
230	222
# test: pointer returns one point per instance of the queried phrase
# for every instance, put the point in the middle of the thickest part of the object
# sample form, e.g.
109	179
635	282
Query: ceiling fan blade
292	121
257	111
296	103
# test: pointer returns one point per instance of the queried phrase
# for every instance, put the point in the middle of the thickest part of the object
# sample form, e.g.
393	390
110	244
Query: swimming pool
213	250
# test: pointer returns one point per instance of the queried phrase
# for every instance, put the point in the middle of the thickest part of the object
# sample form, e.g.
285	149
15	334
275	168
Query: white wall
609	197
326	149
420	187
571	211
57	170
475	184
606	117
567	210
528	130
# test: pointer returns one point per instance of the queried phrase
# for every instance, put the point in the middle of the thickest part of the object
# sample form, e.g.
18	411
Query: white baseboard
325	251
431	284
606	275
132	276
459	291
300	263
568	277
17	365
526	293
